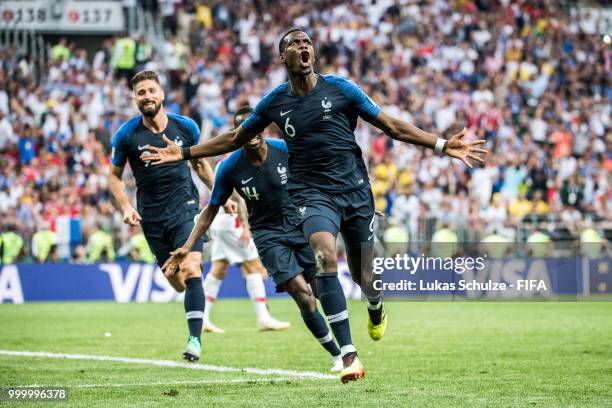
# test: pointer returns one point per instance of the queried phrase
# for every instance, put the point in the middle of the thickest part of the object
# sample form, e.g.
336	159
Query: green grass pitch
434	354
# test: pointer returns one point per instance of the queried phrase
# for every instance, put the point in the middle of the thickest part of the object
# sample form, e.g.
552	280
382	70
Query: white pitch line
174	364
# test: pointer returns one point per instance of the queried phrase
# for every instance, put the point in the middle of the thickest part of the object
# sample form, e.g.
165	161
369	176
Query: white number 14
251	193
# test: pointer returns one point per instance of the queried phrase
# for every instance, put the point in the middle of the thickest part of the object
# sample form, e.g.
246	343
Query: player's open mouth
305	57
254	142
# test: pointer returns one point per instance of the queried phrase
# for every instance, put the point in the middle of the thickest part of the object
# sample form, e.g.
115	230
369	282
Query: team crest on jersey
282	172
178	142
327	111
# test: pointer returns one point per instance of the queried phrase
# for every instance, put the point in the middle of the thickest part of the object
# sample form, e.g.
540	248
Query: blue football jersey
263	188
319	131
163	191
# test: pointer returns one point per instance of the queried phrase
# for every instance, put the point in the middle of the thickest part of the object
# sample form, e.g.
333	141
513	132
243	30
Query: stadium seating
530	79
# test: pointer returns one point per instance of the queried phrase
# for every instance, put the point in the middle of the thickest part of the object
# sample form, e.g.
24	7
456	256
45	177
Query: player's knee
219	273
219	269
327	261
190	268
251	267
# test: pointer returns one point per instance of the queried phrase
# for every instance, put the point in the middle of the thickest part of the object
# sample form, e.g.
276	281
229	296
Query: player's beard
150	113
254	143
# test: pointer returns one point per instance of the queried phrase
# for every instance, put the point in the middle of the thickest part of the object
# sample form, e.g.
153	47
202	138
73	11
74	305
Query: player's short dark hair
243	110
143	76
281	43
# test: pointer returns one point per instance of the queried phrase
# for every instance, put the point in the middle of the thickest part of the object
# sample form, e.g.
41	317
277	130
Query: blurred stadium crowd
532	78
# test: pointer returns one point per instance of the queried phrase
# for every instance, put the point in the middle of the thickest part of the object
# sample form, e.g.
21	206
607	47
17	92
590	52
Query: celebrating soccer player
328	180
167	198
232	243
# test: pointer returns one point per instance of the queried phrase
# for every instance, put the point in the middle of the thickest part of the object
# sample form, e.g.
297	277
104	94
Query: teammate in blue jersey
167	198
258	172
329	184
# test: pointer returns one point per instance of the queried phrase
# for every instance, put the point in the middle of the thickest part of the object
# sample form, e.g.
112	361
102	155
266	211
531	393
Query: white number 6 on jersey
289	129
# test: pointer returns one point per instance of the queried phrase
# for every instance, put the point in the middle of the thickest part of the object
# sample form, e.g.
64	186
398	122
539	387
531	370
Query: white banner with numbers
62	16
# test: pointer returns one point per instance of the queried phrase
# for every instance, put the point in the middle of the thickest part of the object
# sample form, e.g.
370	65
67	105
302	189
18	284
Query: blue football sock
316	324
334	305
194	305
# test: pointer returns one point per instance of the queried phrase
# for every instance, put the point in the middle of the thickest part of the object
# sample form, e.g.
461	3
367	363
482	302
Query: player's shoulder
187	124
277	144
184	121
343	83
126	130
227	165
355	94
337	80
130	125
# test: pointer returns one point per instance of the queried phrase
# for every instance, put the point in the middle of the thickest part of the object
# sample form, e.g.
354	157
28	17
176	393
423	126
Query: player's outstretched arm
130	215
177	256
453	147
224	143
